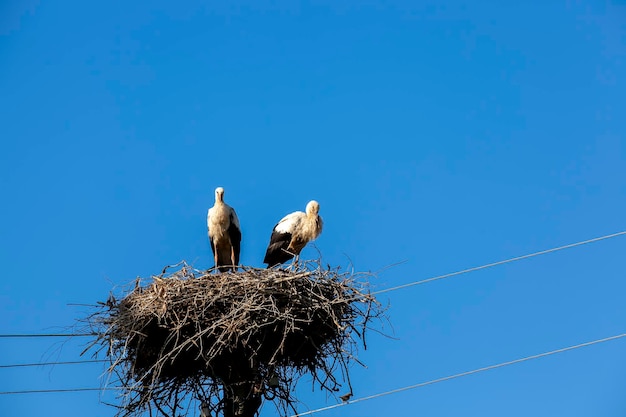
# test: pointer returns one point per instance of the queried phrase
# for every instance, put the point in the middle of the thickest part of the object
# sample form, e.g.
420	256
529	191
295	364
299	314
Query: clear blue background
446	135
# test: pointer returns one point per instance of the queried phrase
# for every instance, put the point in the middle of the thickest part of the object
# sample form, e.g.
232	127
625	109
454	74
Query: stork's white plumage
224	233
292	233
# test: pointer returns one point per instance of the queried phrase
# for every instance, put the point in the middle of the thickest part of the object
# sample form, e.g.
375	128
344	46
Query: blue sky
446	135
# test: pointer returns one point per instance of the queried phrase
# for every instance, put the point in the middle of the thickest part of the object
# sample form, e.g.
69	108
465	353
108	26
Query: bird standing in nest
224	233
292	233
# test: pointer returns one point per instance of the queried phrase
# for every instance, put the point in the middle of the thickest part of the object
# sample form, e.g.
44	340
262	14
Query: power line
422	384
517	258
47	335
462	374
370	397
19	365
398	287
41	391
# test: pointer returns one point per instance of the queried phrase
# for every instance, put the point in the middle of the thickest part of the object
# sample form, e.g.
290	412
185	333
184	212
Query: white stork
224	233
292	233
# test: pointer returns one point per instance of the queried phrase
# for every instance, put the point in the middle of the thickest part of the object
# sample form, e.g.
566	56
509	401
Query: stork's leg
214	250
232	258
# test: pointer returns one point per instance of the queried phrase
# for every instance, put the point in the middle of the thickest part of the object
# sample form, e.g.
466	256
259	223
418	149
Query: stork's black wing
277	249
234	232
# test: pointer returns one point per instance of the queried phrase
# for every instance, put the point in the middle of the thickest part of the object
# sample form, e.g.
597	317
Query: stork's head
312	208
219	194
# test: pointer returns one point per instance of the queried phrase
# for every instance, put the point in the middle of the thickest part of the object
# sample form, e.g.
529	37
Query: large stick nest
199	333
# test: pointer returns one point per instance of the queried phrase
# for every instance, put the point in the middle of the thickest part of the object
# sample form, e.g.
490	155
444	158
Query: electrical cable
462	374
490	265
